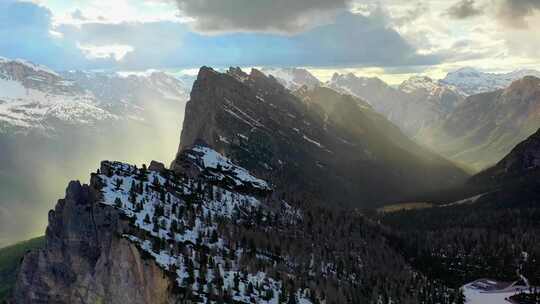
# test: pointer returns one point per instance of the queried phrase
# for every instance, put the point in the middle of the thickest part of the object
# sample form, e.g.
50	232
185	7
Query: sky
391	39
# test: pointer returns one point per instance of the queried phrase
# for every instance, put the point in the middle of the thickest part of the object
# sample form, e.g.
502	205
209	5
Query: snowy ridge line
177	217
212	159
31	65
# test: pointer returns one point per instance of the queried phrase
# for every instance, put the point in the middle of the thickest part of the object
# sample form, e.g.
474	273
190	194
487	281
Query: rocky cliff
86	259
308	139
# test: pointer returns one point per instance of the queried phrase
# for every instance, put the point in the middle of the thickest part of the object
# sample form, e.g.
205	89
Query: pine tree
118	202
146	219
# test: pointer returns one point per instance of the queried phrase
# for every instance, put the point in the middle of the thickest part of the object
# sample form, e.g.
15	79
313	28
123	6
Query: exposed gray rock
86	260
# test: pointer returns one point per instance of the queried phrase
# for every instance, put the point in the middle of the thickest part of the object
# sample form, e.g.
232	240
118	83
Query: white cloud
114	51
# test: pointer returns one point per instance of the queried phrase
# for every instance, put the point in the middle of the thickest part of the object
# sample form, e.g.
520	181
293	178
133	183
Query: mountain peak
268	130
419	82
471	81
292	78
205	72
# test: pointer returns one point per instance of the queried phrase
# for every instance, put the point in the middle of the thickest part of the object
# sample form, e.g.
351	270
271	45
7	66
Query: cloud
283	16
78	15
514	13
352	39
412	14
463	9
349	39
26	31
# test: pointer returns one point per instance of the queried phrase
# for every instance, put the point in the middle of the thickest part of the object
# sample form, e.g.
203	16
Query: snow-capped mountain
293	78
130	87
34	97
445	97
472	81
411	112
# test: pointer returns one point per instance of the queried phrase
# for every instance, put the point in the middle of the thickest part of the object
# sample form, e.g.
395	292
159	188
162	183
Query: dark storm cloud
284	16
463	10
514	12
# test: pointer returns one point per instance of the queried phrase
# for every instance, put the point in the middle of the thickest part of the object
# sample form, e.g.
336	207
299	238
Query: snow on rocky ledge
175	216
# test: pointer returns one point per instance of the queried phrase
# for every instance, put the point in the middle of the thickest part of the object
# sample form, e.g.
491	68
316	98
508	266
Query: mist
35	169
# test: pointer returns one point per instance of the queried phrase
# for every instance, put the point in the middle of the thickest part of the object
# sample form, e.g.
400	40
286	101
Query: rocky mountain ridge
254	120
207	232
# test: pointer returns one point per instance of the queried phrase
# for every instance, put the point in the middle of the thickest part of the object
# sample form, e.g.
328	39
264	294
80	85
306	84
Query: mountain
133	87
522	161
293	78
34	98
487	228
10	258
328	138
472	81
443	98
57	125
382	97
485	127
417	104
209	231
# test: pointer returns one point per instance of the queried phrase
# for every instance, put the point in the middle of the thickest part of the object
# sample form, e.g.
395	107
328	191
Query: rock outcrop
331	146
86	260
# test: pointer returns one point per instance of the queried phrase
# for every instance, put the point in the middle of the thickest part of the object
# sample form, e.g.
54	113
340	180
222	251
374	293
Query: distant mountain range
472	81
293	78
469	116
33	97
486	126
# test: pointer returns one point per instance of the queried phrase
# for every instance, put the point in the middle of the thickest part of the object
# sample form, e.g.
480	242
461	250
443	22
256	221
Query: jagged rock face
86	260
485	127
302	145
137	236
